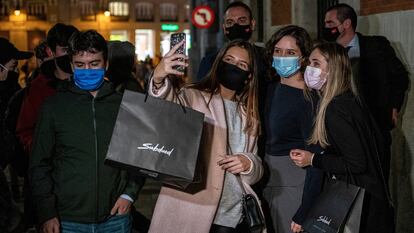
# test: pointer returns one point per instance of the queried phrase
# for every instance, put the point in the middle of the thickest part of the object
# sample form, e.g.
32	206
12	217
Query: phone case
175	39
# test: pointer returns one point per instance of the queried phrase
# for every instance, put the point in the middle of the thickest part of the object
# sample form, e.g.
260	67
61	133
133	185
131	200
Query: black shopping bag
156	138
331	208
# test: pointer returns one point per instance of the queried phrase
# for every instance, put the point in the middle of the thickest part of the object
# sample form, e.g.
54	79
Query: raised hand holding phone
174	40
170	60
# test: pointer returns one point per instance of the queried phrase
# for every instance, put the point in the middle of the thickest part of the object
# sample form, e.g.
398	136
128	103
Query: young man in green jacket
73	190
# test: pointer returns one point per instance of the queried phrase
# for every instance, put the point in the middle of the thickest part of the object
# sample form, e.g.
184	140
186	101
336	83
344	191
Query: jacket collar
105	90
362	44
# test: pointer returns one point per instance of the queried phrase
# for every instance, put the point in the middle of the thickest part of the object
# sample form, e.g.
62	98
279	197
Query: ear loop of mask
4	68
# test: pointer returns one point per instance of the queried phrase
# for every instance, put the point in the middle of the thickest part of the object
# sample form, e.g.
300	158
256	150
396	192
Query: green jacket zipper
96	161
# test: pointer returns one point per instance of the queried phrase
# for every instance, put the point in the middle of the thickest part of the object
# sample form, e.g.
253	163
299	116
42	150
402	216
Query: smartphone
175	39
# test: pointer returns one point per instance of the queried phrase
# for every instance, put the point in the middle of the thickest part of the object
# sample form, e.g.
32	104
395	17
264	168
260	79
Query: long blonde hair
339	80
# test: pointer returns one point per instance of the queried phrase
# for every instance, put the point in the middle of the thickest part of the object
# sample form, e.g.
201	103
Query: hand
394	117
235	163
301	158
122	206
51	226
296	228
171	59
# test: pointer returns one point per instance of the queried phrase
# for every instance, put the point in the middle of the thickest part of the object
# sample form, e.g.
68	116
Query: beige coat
193	211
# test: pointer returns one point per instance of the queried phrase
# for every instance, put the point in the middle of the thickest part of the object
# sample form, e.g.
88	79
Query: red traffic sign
202	17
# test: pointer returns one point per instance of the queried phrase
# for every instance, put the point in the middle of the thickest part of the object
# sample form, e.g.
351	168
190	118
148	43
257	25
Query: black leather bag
156	138
252	214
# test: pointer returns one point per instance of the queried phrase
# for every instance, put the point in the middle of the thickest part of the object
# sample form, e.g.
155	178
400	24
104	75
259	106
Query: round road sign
202	17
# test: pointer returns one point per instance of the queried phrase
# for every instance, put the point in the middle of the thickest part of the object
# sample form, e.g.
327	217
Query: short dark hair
89	41
40	51
239	4
345	11
303	41
59	35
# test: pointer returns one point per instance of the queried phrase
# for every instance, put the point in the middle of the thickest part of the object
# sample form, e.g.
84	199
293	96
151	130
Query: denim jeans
115	224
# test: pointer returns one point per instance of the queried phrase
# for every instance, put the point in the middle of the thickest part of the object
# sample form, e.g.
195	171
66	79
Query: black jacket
355	144
5	202
381	78
68	176
7	90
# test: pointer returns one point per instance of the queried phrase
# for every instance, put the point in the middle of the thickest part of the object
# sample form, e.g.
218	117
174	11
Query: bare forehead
87	56
317	55
238	53
236	12
288	42
331	15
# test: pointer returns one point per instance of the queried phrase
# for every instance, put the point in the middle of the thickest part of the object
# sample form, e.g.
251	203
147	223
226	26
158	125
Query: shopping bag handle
178	97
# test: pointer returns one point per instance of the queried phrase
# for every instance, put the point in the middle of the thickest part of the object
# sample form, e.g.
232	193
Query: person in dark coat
350	137
9	56
54	75
289	113
238	24
121	63
379	76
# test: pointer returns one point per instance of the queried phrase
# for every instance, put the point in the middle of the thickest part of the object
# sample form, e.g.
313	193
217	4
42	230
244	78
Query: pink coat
193	211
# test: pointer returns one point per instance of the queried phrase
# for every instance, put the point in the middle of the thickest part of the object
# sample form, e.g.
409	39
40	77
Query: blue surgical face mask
286	66
88	79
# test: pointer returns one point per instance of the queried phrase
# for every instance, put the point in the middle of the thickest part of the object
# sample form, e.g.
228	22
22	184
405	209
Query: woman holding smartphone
228	163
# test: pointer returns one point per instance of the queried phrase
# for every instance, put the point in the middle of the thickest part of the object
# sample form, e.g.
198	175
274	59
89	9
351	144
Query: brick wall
380	6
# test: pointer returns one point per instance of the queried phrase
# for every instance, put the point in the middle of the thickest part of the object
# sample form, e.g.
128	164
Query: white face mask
313	78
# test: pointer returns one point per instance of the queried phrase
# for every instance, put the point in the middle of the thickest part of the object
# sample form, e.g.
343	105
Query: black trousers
241	228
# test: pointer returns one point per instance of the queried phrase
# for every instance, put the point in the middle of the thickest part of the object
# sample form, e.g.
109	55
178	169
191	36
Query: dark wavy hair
89	41
303	41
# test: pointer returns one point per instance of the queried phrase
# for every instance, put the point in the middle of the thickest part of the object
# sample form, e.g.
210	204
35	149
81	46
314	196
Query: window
121	35
88	11
119	8
168	12
4	10
36	10
55	2
34	38
5	34
144	43
74	2
187	12
144	11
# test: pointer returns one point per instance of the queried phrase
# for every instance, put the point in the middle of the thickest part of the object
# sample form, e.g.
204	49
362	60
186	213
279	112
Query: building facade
146	23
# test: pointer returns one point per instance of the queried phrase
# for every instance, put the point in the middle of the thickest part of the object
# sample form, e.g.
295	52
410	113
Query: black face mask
232	77
63	62
48	68
330	34
12	76
237	31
